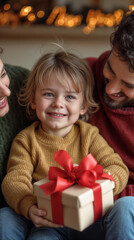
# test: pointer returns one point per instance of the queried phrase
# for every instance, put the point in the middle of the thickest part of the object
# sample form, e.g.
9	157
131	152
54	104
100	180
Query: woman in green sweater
58	92
12	116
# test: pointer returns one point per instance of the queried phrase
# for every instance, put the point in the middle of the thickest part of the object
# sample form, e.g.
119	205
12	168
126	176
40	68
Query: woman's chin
4	111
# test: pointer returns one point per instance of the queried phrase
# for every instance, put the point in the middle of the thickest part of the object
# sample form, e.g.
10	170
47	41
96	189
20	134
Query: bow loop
55	171
88	162
63	159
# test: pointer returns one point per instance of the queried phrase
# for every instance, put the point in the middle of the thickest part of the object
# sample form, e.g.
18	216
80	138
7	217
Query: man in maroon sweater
114	91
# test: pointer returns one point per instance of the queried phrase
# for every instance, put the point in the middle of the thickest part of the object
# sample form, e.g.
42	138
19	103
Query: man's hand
37	216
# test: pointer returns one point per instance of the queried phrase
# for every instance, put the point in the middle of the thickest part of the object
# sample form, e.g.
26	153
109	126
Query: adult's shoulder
104	56
93	61
16	74
15	70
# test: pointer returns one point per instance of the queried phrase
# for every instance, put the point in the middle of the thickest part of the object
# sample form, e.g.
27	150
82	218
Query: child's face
58	106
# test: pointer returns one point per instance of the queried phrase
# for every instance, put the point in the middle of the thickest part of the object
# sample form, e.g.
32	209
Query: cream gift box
78	203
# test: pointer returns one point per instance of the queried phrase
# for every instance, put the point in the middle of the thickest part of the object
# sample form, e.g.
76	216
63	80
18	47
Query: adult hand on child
37	216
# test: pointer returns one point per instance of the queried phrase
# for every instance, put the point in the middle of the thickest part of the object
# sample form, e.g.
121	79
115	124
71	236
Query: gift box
75	196
77	203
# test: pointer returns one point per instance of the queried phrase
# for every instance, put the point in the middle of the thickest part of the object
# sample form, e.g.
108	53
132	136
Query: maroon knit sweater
116	126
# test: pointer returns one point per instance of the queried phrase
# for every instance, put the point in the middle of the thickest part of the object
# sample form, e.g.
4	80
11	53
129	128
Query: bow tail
97	201
57	208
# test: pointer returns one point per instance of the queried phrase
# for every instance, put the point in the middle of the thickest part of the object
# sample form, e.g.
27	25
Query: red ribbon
85	175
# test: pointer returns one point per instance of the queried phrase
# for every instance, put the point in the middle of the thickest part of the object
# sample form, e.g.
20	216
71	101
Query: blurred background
29	27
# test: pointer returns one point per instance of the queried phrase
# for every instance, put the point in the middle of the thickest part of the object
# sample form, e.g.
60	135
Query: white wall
24	45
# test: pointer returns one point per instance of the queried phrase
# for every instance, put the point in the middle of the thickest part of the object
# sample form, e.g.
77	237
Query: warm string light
60	18
98	19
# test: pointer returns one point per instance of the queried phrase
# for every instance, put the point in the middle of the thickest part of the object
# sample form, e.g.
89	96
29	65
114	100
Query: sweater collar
52	139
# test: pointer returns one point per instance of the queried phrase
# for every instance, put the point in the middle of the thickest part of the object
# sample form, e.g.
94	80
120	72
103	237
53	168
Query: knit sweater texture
12	122
32	153
115	125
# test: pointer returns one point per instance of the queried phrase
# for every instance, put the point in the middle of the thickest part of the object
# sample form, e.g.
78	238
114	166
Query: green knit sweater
12	122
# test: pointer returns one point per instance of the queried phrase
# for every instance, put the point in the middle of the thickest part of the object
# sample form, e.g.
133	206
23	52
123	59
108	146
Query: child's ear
84	109
33	105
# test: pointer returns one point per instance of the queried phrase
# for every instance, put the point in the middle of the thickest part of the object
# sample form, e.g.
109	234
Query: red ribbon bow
85	174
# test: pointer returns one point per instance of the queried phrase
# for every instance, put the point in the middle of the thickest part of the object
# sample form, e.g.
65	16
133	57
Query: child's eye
48	94
70	97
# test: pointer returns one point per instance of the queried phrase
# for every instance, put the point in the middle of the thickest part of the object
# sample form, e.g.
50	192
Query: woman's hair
66	66
122	40
1	50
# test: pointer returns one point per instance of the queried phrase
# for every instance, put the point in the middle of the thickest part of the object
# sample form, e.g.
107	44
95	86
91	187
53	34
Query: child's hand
37	216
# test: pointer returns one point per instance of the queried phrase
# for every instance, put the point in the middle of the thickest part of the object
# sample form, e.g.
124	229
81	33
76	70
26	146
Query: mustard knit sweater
32	153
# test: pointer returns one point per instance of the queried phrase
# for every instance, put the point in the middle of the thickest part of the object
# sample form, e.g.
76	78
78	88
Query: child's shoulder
87	132
86	125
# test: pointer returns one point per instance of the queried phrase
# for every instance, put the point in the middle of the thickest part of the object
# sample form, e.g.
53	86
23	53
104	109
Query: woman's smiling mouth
3	102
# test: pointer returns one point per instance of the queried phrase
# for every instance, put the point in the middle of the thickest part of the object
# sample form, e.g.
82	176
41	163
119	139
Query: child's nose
58	102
